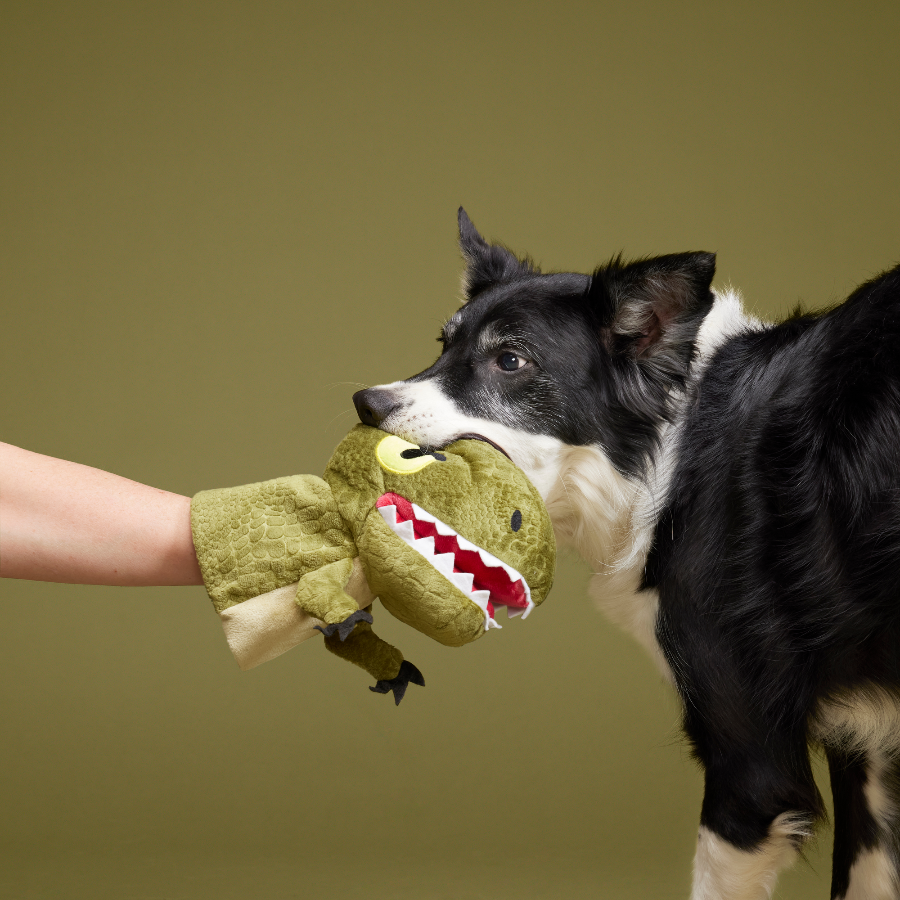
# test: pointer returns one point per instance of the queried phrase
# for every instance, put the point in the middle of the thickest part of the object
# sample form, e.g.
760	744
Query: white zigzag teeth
444	562
489	559
492	561
481	598
465	580
423	515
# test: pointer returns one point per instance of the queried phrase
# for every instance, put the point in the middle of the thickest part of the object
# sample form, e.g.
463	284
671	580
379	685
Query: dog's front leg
759	806
723	871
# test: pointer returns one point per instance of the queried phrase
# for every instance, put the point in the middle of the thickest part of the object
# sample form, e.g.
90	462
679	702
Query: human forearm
62	521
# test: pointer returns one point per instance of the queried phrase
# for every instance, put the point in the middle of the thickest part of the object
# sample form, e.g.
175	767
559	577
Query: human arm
66	522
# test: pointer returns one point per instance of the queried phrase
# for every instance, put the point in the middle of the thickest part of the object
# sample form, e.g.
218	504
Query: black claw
408	674
344	628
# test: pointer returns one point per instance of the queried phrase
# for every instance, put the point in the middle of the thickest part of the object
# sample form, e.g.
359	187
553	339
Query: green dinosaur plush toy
442	538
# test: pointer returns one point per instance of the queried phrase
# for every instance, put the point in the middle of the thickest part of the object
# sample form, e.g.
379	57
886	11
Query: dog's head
532	361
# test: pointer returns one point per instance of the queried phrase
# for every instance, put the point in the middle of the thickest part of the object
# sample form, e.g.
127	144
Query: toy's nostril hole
516	521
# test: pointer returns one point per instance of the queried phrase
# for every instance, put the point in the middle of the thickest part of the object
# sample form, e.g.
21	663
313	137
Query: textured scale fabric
444	539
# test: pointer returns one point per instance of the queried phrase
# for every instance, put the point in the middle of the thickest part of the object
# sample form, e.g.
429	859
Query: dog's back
782	529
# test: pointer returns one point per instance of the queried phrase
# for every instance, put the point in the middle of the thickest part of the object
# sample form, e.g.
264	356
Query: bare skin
65	522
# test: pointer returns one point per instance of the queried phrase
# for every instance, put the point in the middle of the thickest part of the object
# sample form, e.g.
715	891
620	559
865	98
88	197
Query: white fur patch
725	320
873	877
865	721
723	872
595	511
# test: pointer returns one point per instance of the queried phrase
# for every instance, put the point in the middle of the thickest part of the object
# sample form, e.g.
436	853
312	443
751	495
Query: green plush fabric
253	539
321	592
257	537
368	651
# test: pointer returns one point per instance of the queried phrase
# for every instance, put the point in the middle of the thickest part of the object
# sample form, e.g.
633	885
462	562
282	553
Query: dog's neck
606	517
610	519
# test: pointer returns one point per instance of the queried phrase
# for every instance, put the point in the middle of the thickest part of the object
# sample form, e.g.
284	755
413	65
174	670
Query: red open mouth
486	580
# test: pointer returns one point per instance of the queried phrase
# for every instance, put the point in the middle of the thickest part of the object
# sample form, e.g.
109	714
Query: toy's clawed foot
344	628
408	674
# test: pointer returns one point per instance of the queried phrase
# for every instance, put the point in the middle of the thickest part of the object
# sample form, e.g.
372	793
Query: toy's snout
485	580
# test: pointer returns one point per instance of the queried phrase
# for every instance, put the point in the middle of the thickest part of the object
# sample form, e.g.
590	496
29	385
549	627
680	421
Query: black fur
487	264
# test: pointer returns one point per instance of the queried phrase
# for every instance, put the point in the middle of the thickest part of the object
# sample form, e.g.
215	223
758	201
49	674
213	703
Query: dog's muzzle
374	405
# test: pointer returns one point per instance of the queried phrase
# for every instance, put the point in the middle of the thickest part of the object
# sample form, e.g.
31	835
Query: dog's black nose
374	406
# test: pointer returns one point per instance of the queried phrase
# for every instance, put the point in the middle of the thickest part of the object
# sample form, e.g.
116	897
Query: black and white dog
736	486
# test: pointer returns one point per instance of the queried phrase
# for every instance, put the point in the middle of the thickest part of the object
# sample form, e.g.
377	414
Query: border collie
735	485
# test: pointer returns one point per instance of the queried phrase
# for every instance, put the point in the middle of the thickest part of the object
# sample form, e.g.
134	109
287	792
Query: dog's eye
509	362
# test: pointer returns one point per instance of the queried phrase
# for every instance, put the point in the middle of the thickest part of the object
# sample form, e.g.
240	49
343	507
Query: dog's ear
487	264
651	309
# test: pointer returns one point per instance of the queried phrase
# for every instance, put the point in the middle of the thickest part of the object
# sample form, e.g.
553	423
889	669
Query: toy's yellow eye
403	458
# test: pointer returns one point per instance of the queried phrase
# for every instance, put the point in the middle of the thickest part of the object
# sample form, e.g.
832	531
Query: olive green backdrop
216	221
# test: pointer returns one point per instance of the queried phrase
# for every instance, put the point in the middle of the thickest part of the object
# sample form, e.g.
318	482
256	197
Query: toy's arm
322	593
348	632
382	661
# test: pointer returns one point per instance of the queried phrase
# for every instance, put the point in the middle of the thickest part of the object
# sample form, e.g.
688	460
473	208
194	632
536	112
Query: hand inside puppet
442	538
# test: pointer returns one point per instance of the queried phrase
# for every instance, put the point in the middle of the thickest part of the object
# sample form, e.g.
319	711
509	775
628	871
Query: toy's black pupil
516	522
416	452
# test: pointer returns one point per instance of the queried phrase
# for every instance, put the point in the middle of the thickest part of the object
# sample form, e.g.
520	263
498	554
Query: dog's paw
344	628
408	674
